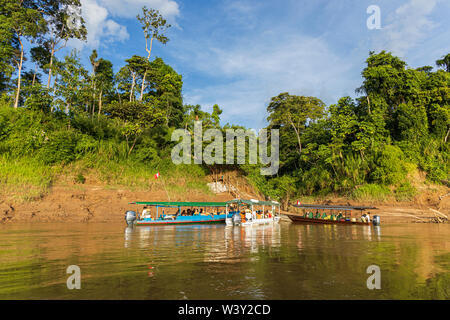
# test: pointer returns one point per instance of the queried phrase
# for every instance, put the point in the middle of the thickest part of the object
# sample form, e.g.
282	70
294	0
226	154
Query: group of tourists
190	212
146	213
247	214
339	217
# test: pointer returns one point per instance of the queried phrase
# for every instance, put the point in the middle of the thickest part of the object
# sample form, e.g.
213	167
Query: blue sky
239	54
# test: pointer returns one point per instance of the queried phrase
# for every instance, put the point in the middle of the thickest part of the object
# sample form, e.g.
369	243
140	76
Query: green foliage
121	124
80	178
39	99
59	148
405	192
390	166
373	192
25	177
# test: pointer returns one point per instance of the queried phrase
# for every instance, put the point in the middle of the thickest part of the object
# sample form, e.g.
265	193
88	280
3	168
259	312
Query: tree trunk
143	86
132	86
148	59
34	75
93	95
50	68
132	147
298	137
100	102
16	102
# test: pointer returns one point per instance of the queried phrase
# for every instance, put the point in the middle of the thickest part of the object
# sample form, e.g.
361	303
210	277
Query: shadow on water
285	261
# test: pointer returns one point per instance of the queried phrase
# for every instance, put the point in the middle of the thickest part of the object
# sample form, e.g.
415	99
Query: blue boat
175	213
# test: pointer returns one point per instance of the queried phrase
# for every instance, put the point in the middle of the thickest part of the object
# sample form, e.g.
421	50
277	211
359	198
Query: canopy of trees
65	111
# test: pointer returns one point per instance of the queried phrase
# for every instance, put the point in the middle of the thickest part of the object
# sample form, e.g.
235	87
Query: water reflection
281	261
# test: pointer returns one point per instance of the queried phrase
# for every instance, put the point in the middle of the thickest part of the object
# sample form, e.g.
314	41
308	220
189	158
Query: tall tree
40	56
64	22
9	49
104	80
94	62
131	74
290	111
154	27
73	82
27	22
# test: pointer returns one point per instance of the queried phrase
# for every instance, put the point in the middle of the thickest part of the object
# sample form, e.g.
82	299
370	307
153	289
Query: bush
80	178
405	192
60	147
390	166
371	192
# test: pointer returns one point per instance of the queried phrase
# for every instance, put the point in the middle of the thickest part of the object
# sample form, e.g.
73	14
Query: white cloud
99	26
250	73
113	29
130	8
408	26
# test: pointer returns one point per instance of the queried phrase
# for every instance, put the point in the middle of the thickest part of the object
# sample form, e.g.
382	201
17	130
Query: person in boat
248	214
183	213
368	217
146	213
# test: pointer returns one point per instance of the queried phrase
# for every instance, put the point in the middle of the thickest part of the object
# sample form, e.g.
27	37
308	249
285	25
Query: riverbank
103	203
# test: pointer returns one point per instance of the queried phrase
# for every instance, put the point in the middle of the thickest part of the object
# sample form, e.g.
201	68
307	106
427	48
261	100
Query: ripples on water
285	261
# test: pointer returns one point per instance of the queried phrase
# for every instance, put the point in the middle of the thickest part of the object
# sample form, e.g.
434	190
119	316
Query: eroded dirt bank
89	203
95	203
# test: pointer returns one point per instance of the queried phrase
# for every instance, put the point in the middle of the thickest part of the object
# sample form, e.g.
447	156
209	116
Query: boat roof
181	204
253	202
328	207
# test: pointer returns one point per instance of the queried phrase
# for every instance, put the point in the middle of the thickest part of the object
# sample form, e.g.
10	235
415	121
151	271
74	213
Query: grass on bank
27	179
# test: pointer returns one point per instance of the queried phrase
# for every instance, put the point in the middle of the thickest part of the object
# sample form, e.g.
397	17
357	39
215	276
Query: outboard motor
236	219
130	217
376	220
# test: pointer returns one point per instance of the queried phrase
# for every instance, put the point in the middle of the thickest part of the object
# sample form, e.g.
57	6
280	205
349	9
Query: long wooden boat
301	219
211	214
344	215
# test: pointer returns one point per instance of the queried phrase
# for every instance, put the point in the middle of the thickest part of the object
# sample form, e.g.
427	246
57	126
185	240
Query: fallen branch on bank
443	196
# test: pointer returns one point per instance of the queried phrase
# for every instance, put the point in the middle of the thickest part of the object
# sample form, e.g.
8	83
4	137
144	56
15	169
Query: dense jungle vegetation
59	116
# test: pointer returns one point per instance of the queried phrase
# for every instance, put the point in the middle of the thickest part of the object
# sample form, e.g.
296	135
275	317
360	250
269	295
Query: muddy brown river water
285	261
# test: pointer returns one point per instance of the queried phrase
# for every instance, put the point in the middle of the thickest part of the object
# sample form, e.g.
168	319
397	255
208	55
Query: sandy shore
91	203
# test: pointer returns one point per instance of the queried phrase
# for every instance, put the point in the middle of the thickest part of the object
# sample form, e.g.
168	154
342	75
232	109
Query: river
285	261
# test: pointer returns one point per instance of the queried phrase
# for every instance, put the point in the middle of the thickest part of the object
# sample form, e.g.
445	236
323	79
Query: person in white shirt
146	213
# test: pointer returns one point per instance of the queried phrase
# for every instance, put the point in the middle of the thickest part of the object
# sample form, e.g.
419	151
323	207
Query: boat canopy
328	207
181	204
253	202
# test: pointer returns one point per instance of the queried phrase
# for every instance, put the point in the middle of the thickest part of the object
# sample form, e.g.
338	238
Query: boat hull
229	222
183	220
300	219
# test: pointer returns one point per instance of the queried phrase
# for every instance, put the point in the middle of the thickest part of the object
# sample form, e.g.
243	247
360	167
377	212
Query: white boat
243	212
